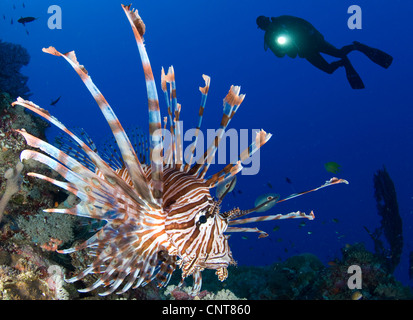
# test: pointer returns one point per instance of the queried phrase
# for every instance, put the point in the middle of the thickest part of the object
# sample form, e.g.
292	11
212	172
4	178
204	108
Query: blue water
314	117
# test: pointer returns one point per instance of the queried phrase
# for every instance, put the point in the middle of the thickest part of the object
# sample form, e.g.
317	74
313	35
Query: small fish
11	21
332	167
24	5
302	224
244	237
276	228
25	20
55	101
264	198
269	185
309	232
335	220
4	17
356	296
14	6
288	180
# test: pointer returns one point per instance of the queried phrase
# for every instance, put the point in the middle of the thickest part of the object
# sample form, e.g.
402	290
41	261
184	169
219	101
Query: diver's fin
352	75
377	56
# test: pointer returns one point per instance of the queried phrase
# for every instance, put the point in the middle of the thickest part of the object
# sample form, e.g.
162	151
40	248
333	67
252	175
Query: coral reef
14	180
12	58
377	282
46	228
304	277
25	274
173	292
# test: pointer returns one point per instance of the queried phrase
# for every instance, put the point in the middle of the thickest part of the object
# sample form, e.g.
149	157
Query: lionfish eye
202	219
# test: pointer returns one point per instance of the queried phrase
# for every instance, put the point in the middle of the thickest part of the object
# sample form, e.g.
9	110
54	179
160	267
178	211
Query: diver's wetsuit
302	39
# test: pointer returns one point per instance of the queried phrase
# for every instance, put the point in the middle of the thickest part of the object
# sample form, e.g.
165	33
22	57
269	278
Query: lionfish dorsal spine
232	102
204	94
155	132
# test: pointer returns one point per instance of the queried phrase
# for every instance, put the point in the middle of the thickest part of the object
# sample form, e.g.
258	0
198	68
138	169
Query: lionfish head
194	224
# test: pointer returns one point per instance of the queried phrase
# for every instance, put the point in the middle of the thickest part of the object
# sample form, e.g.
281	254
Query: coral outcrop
14	180
391	245
12	58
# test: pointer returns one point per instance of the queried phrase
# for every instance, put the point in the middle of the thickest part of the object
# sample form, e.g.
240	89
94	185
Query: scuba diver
292	36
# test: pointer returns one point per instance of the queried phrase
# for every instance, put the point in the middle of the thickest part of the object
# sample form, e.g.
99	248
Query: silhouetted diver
292	36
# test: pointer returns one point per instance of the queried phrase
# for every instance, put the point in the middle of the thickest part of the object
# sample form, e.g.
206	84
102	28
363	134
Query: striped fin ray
178	138
169	153
89	207
176	110
71	148
228	171
76	181
105	169
97	203
232	101
155	135
129	260
233	168
234	214
291	215
165	78
261	138
328	183
240	213
204	91
129	157
172	103
110	153
140	144
262	234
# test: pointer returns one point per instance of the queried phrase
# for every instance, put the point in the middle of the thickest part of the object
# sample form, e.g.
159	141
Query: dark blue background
314	117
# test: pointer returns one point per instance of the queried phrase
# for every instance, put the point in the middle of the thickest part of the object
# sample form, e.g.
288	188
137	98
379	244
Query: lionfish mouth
153	211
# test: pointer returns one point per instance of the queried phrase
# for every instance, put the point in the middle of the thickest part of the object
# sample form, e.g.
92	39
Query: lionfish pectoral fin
129	156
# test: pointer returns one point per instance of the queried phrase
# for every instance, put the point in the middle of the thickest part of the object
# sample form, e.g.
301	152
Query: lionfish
159	215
